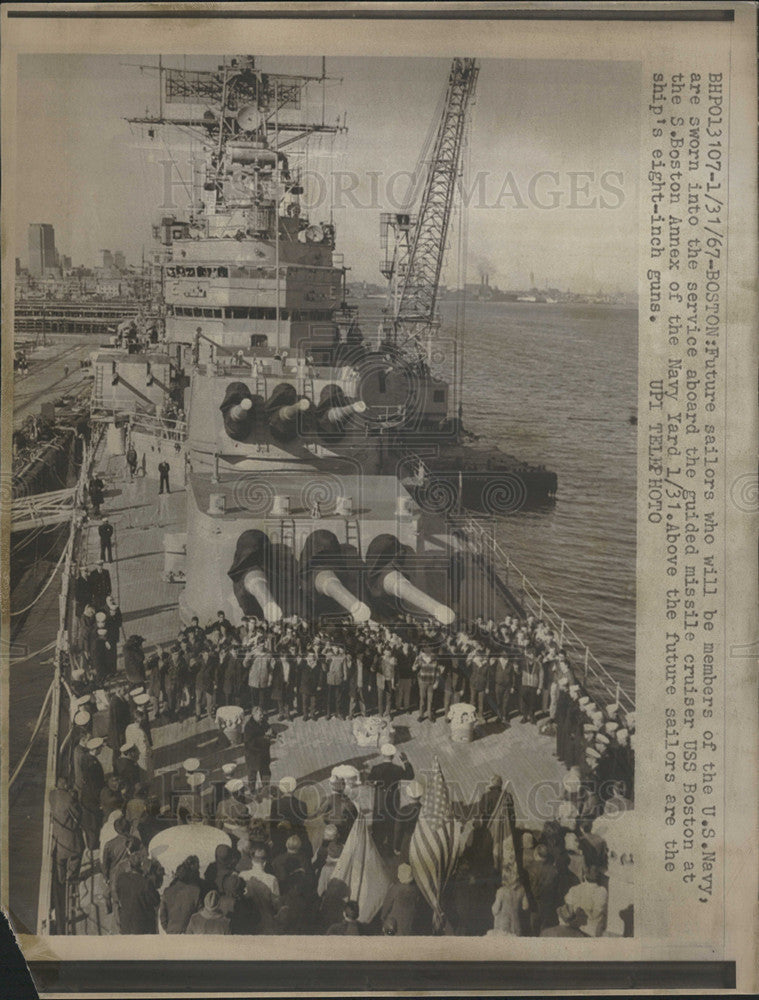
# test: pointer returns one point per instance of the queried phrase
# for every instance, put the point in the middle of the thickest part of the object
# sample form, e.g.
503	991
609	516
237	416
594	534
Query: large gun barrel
327	584
249	574
385	559
337	414
257	585
395	584
239	411
289	412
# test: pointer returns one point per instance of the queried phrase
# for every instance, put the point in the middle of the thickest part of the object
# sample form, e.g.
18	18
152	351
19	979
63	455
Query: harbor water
556	384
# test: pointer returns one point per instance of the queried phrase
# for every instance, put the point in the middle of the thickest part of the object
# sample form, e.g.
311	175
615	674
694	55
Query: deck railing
596	678
45	897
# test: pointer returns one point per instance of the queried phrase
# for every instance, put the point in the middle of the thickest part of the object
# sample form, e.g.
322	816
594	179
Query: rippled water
557	385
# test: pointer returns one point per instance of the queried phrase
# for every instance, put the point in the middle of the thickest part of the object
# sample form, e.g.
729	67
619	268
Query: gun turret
321	557
335	411
249	573
239	411
385	557
283	408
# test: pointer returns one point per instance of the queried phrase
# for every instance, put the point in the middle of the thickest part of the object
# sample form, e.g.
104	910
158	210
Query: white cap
601	738
585	700
630	720
611	727
235	785
141	699
128	746
95	743
136	691
82	718
287	785
196	779
387	750
191	764
613	708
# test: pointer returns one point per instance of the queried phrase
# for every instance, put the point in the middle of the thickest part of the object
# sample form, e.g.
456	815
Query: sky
550	172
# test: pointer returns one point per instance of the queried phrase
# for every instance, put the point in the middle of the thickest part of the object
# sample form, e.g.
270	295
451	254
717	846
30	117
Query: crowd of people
273	878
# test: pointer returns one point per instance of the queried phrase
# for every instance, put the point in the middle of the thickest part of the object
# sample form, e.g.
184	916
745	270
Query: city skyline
541	180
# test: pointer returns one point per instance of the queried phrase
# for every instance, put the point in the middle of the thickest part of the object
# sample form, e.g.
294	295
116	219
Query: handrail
45	896
536	603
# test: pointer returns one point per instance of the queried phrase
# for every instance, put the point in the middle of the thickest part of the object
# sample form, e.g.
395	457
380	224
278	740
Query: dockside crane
415	244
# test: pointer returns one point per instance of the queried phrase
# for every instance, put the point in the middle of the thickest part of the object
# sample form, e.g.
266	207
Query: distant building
107	259
18	265
41	249
66	262
119	260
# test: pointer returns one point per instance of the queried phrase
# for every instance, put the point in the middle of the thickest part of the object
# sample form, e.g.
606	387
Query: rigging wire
50	580
40	717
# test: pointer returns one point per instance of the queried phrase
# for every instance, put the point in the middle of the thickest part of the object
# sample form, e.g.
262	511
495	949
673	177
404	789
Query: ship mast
418	242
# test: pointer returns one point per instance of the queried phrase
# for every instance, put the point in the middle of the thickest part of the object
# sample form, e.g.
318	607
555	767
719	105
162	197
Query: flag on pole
363	870
435	842
500	829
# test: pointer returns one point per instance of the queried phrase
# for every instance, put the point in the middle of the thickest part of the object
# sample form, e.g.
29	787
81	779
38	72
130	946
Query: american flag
435	843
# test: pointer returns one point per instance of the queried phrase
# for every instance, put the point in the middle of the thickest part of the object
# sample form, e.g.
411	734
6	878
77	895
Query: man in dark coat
129	771
111	796
404	903
134	660
96	490
100	585
119	717
386	778
105	530
112	853
310	679
349	925
544	890
182	897
163	473
205	683
255	737
92	784
138	899
82	592
68	842
295	858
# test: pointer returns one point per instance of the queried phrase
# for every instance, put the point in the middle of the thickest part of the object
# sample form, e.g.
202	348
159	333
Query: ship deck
305	750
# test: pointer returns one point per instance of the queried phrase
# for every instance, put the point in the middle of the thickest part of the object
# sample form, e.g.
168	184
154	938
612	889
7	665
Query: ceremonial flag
363	870
435	842
500	829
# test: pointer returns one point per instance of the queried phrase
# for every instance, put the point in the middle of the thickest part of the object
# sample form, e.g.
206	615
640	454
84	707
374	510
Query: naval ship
316	473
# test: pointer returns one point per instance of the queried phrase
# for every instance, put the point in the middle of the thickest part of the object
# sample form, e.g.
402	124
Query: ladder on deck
353	534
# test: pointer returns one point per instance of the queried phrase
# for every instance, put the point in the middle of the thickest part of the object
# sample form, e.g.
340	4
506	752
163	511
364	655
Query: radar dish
249	118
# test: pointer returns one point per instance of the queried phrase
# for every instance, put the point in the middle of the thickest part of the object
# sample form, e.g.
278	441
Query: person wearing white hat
386	777
232	812
339	811
91	785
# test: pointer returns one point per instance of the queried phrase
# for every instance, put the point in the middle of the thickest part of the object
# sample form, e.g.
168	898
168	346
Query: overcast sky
543	134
